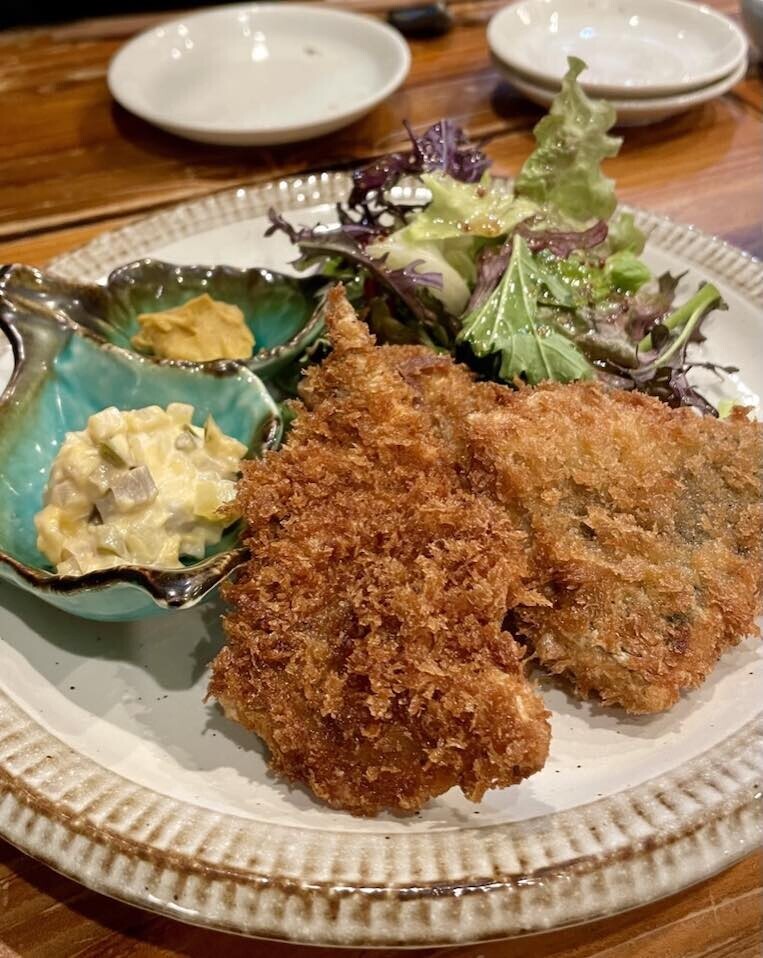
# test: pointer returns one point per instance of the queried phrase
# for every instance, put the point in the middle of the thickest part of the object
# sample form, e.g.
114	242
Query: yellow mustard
200	330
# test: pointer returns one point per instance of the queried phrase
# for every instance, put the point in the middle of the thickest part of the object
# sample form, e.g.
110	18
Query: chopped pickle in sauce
142	487
200	330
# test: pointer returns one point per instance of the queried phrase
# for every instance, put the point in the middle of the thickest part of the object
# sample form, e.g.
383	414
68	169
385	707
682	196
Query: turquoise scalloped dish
279	310
63	374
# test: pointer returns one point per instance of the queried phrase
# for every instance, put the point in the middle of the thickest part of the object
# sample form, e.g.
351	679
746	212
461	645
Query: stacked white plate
650	58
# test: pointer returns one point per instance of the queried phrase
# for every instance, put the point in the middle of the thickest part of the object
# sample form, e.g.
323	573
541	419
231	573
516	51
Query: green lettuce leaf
624	235
466	209
399	252
447	235
508	323
626	272
563	172
581	277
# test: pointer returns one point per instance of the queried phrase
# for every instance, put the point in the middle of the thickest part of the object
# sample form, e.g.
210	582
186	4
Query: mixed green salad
535	281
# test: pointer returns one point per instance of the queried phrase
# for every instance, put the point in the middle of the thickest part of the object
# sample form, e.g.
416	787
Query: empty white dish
638	111
259	73
632	47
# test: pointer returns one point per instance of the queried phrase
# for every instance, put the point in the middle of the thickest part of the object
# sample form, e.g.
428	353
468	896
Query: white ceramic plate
641	110
632	47
113	769
259	73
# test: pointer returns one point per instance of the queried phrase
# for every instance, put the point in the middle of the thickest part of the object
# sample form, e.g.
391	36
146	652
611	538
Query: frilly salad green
536	281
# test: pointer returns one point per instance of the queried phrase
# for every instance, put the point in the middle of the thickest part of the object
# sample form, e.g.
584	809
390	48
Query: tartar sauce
140	487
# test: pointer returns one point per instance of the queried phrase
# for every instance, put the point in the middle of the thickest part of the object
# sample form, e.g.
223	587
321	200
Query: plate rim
364	889
270	133
613	90
636	105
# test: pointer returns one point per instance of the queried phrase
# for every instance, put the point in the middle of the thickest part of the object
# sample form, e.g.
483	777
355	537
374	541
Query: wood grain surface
73	163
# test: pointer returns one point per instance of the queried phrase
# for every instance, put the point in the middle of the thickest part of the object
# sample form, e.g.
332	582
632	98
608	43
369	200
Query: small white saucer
259	73
632	47
638	111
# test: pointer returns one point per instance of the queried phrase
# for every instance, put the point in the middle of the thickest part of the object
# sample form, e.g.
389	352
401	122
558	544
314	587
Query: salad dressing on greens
538	280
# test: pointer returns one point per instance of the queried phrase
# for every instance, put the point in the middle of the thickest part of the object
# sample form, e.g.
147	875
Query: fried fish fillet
645	531
364	639
643	525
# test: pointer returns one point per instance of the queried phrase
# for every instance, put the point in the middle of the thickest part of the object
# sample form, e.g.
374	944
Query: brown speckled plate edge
349	888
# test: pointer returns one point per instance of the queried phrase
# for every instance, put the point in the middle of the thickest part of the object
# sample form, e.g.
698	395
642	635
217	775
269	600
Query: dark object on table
752	15
15	13
432	20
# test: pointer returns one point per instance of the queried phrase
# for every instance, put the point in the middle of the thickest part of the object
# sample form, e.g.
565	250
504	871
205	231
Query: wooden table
73	164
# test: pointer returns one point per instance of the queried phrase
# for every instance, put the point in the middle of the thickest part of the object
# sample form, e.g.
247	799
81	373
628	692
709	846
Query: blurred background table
73	164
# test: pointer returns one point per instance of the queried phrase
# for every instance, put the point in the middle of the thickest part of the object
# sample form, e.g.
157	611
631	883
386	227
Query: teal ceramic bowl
63	374
279	310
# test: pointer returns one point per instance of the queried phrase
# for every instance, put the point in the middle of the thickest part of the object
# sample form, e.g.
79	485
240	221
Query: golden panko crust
364	635
643	523
414	510
645	530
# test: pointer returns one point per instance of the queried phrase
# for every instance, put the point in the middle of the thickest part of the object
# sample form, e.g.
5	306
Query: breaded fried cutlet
364	636
643	525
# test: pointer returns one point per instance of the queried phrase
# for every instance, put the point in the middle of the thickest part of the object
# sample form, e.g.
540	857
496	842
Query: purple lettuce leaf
444	147
403	284
369	214
663	370
562	243
648	306
409	275
279	224
492	260
491	264
671	385
372	180
356	232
